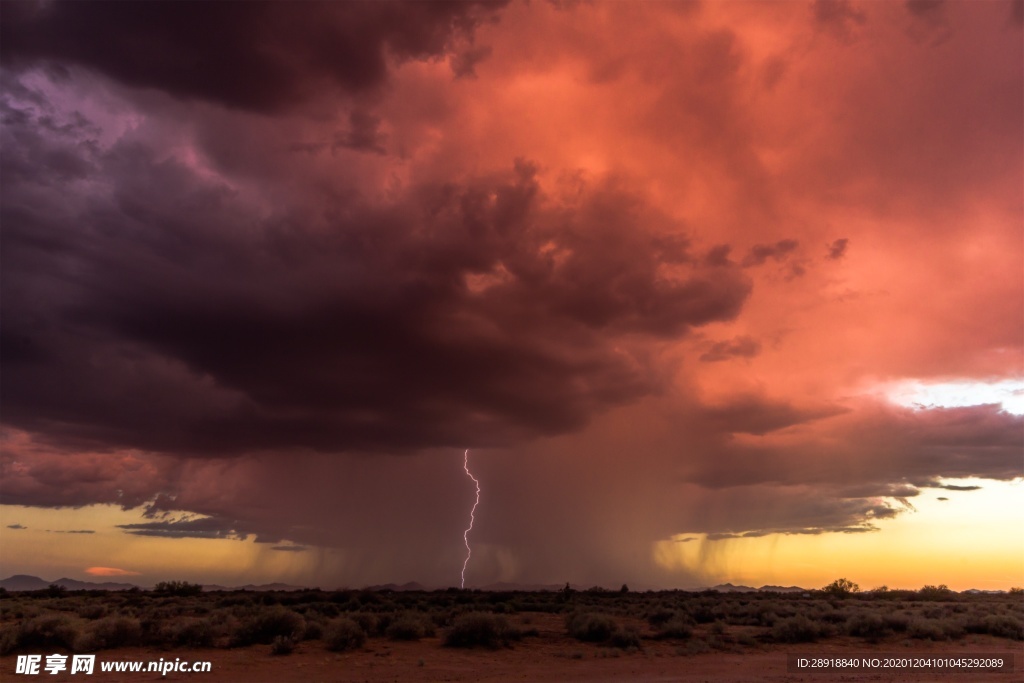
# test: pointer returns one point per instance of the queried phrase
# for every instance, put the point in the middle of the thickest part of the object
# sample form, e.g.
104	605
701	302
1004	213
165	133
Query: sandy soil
551	657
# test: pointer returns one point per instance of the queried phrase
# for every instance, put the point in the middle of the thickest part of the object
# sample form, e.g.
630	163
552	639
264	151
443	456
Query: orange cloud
109	571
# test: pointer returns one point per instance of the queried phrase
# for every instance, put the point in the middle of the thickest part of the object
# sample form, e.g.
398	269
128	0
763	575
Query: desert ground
598	636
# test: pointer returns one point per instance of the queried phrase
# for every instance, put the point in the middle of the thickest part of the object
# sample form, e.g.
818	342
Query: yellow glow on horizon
55	553
975	539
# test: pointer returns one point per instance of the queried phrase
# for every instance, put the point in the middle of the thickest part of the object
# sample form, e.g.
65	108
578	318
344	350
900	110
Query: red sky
267	269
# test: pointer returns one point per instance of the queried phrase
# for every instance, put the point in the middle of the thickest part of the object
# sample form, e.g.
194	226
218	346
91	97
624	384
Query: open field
471	635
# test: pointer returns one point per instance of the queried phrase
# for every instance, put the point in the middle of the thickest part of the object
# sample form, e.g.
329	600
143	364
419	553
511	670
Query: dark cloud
16	526
878	446
32	473
718	255
757	415
837	249
802	531
206	527
76	531
931	23
261	56
839	17
464	63
955	487
925	9
174	317
363	134
760	253
738	347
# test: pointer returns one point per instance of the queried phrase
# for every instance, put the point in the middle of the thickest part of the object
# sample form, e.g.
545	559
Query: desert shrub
897	622
282	645
344	634
8	639
187	632
873	627
933	611
314	630
999	625
326	609
480	628
660	616
367	622
93	611
178	588
705	612
625	638
934	629
940	592
693	647
410	626
798	629
47	631
591	627
835	616
841	588
679	626
267	624
112	632
383	622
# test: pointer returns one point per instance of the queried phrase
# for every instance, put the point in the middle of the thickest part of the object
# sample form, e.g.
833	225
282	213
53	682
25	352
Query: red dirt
552	656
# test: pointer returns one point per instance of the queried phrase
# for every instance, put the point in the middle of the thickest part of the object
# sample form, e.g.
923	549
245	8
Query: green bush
480	628
344	634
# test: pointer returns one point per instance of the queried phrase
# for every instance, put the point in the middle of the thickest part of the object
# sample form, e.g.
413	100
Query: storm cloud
269	268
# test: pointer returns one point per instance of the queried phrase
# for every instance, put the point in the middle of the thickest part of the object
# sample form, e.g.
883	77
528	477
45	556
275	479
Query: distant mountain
729	588
781	589
213	587
398	588
75	585
267	587
505	586
23	582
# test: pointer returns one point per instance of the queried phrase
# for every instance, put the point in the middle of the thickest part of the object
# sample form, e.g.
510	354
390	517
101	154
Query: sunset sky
712	291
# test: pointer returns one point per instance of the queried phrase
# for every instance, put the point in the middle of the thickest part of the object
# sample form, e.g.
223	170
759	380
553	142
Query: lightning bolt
472	517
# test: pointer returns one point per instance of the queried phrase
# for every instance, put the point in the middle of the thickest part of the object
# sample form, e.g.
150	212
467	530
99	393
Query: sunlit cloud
110	571
917	394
